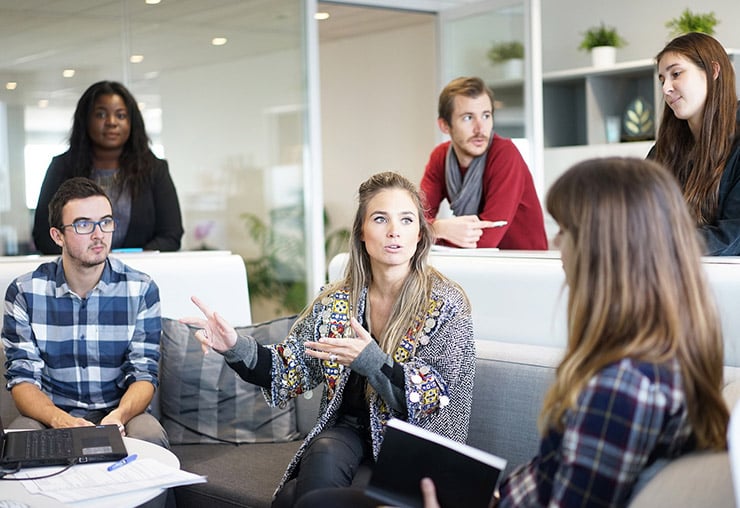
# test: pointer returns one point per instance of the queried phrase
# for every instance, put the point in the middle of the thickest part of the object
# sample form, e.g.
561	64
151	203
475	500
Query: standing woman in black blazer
109	145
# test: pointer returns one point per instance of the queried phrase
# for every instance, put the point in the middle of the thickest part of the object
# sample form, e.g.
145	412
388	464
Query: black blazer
156	221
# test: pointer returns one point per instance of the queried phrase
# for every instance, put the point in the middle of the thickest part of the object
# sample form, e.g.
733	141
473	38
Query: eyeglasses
86	227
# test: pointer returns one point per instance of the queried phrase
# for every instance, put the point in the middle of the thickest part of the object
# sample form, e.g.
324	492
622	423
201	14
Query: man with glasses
81	333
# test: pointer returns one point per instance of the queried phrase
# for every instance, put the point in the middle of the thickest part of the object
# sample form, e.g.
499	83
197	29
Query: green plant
601	35
504	51
691	22
278	273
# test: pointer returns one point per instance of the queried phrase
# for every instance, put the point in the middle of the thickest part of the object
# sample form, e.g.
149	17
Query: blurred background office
270	117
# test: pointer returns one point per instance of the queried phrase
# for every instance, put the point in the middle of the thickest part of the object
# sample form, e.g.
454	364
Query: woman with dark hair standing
109	145
699	136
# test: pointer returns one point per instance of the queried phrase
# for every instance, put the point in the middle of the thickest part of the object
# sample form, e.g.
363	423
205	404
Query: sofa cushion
204	401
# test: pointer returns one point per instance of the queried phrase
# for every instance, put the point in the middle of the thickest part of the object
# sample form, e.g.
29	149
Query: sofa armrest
698	479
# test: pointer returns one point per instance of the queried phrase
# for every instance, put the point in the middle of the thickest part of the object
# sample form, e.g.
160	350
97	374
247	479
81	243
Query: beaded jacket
437	354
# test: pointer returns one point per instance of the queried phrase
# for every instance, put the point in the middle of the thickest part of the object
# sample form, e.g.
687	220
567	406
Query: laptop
52	447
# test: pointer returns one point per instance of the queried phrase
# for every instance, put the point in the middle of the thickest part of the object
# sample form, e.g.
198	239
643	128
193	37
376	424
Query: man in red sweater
482	175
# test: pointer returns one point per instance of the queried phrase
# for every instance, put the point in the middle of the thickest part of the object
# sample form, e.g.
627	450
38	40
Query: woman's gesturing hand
215	332
342	350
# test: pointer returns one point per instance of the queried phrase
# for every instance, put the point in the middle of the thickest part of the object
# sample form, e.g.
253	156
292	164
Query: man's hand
464	231
35	404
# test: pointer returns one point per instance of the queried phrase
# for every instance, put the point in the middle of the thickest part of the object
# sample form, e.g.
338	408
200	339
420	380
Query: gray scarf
465	193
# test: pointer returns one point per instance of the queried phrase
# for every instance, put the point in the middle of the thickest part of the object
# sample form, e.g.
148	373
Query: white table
15	491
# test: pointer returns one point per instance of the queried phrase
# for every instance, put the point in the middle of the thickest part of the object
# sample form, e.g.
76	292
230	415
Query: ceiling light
142	105
321	16
68	73
43	103
219	41
11	85
134	59
152	2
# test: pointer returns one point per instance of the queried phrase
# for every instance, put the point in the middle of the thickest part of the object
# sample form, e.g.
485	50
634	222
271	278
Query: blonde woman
642	373
394	338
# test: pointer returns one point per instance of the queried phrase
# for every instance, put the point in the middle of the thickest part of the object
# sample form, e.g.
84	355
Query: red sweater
508	194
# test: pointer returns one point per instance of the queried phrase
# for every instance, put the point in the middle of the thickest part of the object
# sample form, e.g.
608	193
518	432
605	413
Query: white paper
90	481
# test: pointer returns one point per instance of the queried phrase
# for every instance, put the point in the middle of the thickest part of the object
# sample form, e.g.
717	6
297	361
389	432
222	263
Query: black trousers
332	460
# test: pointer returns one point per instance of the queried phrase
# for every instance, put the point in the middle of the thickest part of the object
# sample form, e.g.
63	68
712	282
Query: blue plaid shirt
628	415
82	352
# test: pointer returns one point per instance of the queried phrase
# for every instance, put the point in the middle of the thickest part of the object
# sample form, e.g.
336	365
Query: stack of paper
94	481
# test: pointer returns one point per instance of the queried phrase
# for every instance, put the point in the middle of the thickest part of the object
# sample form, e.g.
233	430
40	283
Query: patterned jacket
438	376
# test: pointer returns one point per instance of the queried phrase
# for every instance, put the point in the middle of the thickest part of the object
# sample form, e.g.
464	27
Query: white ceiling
40	38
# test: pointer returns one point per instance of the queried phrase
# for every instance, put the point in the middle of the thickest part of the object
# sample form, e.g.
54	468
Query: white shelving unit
577	102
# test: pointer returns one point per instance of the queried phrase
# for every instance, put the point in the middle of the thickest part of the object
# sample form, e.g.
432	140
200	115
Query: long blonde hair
636	287
413	299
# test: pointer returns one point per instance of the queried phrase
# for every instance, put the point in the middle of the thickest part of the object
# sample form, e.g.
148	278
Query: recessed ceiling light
152	2
68	73
11	85
136	59
43	103
321	16
219	41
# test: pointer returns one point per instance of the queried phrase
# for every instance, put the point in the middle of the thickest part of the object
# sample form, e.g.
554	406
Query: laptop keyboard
55	443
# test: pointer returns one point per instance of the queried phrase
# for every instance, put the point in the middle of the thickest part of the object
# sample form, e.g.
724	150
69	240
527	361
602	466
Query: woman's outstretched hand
215	332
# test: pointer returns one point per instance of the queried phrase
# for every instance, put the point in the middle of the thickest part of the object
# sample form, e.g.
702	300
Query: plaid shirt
82	352
628	415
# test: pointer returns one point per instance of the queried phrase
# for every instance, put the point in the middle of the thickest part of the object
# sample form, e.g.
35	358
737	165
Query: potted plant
510	55
602	42
691	22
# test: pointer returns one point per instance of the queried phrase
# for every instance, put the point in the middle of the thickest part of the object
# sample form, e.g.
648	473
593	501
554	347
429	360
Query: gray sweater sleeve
381	371
244	351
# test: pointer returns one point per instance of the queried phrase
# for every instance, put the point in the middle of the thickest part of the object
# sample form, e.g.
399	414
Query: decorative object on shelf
511	56
613	129
637	122
602	41
692	22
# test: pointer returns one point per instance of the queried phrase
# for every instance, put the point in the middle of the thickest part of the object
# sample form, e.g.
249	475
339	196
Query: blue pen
122	462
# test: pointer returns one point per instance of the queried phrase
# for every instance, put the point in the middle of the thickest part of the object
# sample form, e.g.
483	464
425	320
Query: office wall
640	22
378	111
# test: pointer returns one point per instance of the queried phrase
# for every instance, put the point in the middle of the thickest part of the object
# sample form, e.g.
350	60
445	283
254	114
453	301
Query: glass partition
489	42
223	90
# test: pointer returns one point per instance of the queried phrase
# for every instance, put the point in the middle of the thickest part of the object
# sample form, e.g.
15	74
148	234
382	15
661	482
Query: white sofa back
519	297
219	278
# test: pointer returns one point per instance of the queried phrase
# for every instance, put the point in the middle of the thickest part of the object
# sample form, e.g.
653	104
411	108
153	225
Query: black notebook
462	475
51	447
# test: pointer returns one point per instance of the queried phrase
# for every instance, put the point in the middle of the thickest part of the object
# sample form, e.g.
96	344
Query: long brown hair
636	287
698	164
413	299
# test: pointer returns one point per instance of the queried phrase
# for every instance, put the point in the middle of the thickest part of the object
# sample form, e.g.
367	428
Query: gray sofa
511	379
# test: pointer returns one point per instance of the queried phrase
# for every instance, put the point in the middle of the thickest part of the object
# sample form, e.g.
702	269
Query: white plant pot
514	68
603	56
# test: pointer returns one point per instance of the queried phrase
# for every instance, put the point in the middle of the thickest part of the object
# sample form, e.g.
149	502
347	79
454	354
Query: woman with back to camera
109	144
393	338
699	136
640	381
